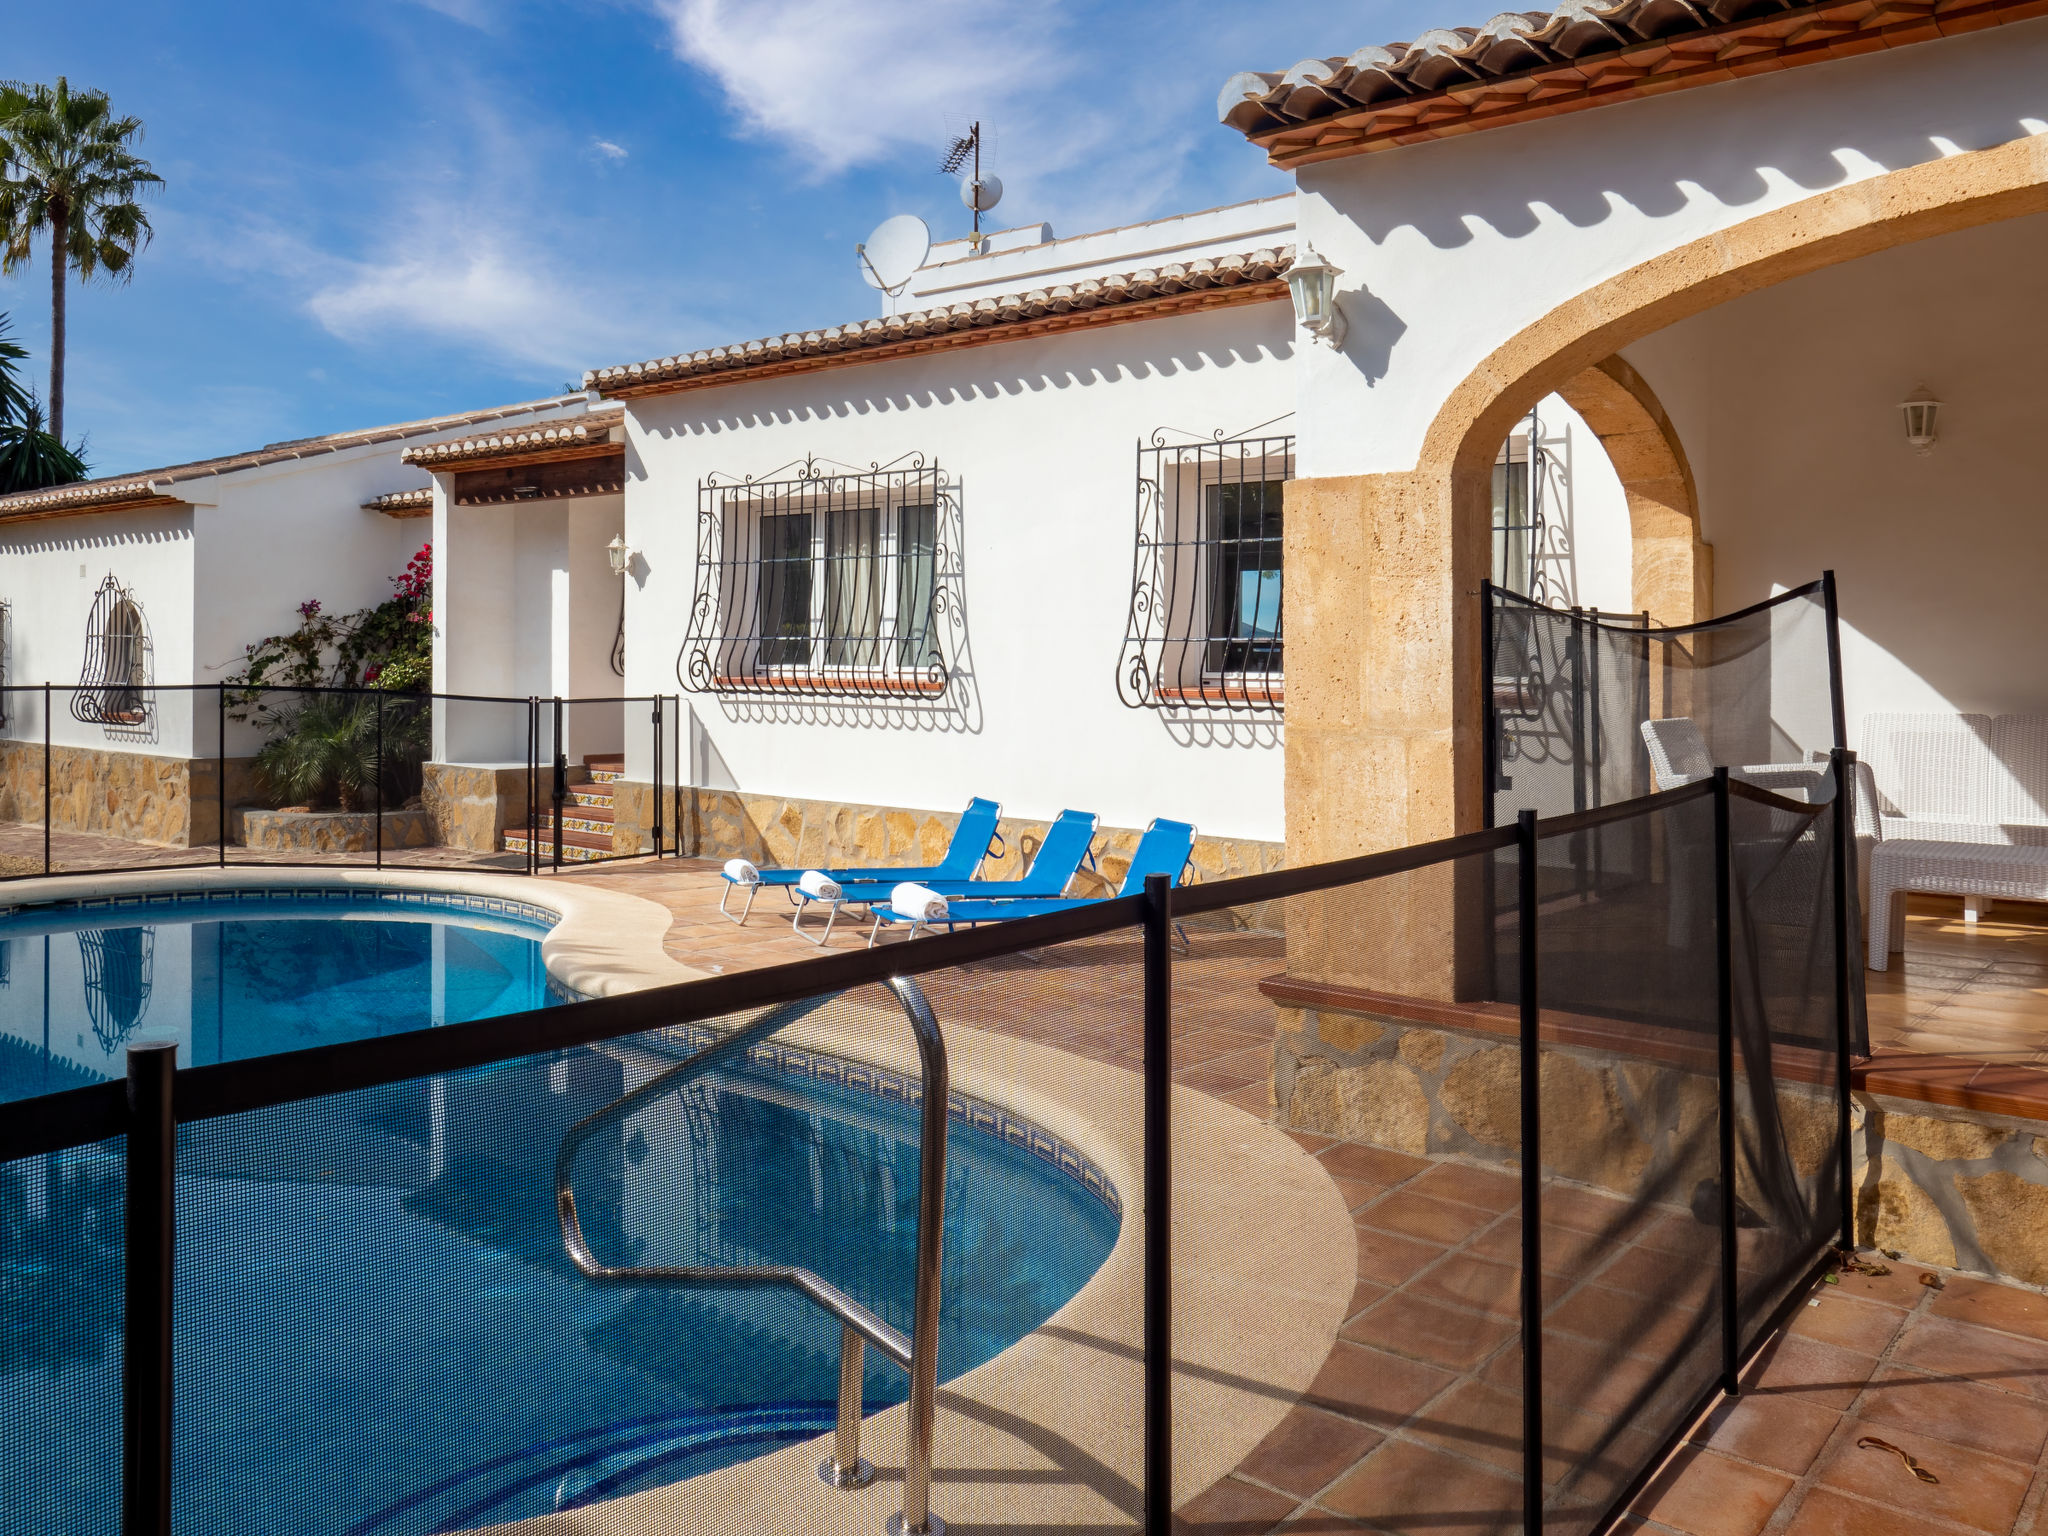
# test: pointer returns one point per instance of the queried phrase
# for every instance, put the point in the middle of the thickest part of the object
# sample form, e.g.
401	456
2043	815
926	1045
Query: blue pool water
377	1332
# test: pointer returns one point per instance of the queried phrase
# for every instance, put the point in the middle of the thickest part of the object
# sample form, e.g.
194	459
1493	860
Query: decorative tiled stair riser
587	817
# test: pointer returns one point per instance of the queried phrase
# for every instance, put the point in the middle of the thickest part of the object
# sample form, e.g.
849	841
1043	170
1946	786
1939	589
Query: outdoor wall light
1312	281
1920	408
621	556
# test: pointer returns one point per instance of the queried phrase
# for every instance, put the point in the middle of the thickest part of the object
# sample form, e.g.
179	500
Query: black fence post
561	790
1838	709
1844	765
1724	1037
380	778
532	785
1532	1175
46	778
1489	745
657	775
1158	1210
220	769
146	1330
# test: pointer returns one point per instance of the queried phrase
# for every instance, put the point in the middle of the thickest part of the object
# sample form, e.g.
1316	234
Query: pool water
249	975
378	1333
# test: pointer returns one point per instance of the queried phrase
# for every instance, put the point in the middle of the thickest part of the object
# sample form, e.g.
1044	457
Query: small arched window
113	685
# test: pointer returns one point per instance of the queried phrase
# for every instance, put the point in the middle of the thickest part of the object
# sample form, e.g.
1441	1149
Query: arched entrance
1383	703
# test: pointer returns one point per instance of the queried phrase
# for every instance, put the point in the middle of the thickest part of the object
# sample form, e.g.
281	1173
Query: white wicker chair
1679	755
1964	812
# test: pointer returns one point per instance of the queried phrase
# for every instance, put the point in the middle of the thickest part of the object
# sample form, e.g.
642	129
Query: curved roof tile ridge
1521	65
1236	269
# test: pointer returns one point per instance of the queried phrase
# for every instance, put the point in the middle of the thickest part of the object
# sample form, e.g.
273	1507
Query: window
114	683
1205	628
826	583
1517	523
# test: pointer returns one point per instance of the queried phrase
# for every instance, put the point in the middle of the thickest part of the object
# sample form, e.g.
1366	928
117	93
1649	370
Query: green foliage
324	749
15	396
390	646
31	459
70	171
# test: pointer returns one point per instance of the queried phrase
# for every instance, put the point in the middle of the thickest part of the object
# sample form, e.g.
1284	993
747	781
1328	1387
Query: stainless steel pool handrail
918	1355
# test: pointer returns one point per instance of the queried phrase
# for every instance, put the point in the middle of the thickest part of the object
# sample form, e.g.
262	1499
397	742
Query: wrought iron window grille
115	684
824	582
6	669
1533	555
118	963
1204	632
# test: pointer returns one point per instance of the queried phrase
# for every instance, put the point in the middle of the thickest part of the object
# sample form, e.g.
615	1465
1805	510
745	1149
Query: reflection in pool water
377	1332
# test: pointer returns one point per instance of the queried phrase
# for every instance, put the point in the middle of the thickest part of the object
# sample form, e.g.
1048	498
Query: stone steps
587	817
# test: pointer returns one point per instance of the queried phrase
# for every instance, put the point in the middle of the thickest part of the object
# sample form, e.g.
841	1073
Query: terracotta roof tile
1115	291
1586	53
159	485
590	430
418	502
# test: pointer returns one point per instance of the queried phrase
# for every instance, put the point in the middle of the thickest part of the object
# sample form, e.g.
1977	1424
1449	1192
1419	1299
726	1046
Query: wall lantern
621	556
1312	281
1920	408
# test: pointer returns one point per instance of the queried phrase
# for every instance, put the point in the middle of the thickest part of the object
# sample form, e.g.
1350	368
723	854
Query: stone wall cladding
139	796
776	830
330	831
470	807
1955	1188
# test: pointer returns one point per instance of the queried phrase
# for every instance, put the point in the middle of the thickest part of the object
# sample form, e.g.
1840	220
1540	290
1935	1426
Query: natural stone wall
145	798
470	807
773	829
330	831
1960	1189
633	817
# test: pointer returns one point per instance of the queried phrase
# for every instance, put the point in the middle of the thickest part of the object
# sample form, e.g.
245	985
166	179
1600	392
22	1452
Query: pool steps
586	818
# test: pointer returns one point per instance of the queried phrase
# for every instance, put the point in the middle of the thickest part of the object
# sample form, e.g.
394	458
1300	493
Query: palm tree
67	169
30	458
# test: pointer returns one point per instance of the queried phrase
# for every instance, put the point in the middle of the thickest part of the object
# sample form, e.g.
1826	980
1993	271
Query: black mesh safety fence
160	777
1440	1188
61	1284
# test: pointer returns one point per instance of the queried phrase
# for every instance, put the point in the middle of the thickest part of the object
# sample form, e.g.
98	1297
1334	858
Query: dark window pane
1244	538
916	576
785	600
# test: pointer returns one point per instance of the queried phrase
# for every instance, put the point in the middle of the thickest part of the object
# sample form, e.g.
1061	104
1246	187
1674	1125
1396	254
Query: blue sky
382	209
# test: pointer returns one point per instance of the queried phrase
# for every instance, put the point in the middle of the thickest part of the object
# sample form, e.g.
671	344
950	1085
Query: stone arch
1383	719
1672	568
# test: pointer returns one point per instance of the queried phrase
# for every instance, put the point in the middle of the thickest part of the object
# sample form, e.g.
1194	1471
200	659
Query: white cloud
849	84
608	149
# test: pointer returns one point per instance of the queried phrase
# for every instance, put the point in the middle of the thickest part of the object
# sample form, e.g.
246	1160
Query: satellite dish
890	257
982	193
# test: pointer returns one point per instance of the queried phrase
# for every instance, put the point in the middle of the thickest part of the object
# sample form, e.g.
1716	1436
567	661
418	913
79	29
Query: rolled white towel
920	902
818	885
740	872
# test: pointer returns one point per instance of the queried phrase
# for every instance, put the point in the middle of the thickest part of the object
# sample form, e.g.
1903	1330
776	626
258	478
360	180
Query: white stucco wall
1787	403
1450	248
1040	438
50	571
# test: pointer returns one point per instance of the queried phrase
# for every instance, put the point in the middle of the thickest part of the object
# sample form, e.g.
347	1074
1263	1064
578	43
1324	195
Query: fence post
561	792
1158	1210
1489	745
1724	1039
220	771
532	792
1844	764
657	775
1838	709
146	1330
380	778
46	778
1532	1176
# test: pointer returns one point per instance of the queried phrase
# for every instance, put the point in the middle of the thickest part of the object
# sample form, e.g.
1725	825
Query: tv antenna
979	192
890	257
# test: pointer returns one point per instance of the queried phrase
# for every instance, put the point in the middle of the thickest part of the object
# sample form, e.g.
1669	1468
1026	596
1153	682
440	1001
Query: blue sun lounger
1163	850
1066	847
974	837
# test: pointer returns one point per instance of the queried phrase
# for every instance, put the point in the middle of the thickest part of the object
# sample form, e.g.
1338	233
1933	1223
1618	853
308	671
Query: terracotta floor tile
1307	1449
1780	1432
1901	1288
1978	1491
1255	1099
1404	1486
1476	1420
1568	1205
1391	1260
1470	1186
1350	1160
1703	1493
1232	1508
1947	1348
1626	1319
1377	1388
1478	1284
1809	1372
1982	1418
1827	1513
1413	1215
1357	1192
1993	1306
1408	1324
1848	1323
1309	1141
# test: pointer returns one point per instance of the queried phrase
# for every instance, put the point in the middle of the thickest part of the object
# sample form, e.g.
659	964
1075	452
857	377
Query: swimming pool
378	1333
240	973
